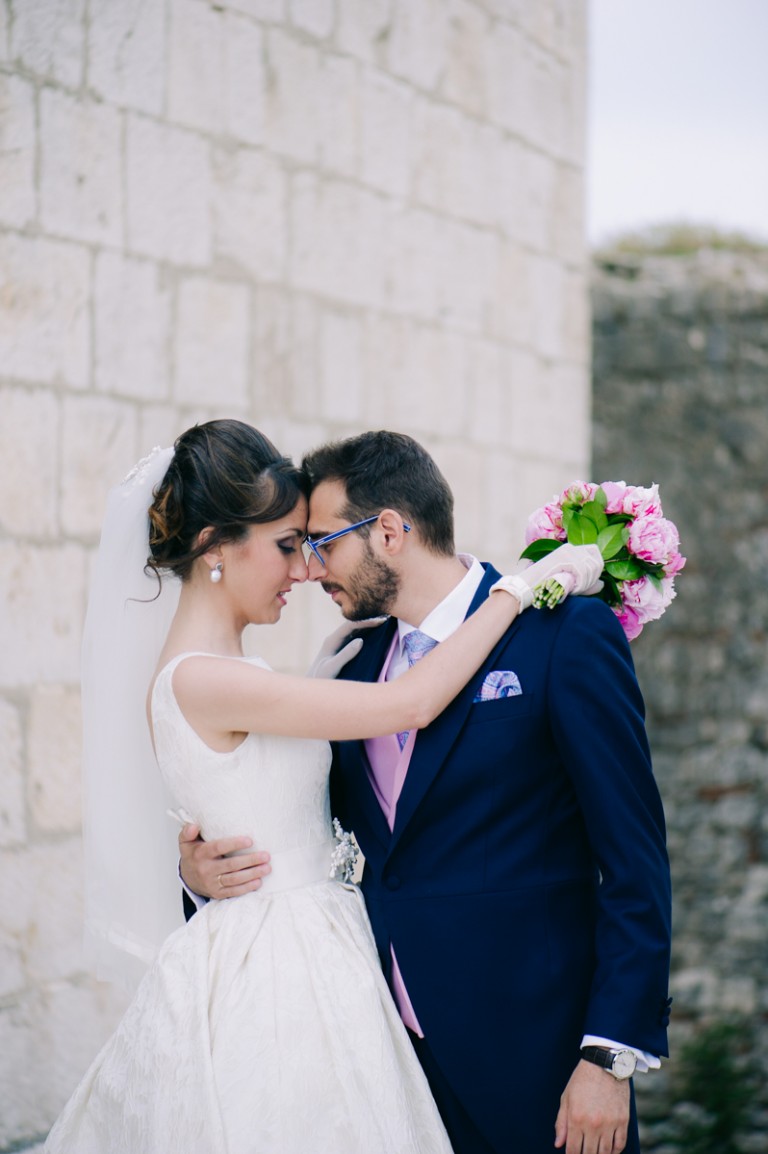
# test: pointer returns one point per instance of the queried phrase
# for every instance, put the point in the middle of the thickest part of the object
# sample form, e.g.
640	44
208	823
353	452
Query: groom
516	876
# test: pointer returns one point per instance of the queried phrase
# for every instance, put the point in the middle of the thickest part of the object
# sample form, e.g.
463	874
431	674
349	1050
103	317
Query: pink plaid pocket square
500	683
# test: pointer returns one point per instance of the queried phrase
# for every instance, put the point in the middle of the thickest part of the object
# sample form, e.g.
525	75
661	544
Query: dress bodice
271	789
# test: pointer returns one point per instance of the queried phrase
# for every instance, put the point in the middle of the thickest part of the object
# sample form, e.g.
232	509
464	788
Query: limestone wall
319	215
681	398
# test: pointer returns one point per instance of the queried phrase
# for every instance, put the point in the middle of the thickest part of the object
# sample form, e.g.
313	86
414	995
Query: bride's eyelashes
289	545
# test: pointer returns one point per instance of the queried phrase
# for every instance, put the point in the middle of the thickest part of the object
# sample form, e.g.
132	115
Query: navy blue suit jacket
525	885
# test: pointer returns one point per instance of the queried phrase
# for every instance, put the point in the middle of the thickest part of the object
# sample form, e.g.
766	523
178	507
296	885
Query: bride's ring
219	879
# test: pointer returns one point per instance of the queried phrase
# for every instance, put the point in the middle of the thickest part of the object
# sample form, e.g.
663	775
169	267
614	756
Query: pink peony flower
632	499
545	522
653	539
630	622
615	491
640	502
578	492
674	565
646	599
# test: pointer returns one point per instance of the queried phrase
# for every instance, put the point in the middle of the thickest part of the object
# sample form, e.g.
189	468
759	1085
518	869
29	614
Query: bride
264	1024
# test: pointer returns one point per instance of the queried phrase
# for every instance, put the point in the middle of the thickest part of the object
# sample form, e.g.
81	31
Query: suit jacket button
392	882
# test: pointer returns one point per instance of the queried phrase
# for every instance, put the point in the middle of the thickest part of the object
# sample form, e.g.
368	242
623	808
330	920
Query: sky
678	115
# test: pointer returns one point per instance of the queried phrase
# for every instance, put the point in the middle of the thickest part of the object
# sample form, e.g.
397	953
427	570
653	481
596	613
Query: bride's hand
575	568
334	654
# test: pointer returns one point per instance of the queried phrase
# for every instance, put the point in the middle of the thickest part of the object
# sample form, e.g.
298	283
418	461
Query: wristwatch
620	1063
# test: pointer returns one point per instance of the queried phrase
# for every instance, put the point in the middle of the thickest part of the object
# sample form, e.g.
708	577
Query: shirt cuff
197	900
645	1061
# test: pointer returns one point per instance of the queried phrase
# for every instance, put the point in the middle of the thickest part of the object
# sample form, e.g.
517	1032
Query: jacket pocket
503	708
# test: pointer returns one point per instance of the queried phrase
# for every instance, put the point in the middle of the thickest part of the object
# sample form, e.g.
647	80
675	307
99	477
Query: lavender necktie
415	644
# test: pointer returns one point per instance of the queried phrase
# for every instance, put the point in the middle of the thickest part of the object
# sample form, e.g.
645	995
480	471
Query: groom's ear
392	531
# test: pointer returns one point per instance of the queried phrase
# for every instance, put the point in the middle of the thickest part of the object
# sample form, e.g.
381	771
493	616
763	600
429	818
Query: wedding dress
265	1025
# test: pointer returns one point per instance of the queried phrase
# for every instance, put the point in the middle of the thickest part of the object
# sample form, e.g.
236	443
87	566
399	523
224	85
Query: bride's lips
282	594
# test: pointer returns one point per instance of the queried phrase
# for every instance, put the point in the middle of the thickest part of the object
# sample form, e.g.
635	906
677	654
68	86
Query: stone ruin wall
680	397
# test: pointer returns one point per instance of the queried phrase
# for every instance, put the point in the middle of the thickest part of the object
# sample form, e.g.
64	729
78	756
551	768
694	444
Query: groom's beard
371	589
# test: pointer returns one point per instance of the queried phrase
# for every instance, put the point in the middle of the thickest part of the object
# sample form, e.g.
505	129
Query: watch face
624	1064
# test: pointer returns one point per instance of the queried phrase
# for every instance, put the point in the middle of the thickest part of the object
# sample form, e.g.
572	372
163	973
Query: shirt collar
448	615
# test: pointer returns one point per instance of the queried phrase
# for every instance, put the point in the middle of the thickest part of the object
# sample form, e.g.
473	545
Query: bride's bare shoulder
199	673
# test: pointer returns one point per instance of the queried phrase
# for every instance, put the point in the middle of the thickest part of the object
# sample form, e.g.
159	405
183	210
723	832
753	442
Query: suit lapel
376	642
434	744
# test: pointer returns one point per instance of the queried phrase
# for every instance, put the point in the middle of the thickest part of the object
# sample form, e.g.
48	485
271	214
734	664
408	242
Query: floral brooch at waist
639	545
344	856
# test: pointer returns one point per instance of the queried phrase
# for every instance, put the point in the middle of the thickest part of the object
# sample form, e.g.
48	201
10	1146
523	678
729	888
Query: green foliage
626	569
538	549
716	1075
611	539
679	239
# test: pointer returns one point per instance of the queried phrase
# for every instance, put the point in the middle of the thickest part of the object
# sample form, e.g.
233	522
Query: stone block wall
681	397
318	215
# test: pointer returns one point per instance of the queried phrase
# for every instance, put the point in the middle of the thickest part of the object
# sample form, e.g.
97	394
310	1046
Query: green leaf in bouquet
582	530
610	590
622	570
600	498
541	548
611	540
569	512
596	512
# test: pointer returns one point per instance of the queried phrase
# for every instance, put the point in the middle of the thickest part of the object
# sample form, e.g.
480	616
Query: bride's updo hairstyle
225	475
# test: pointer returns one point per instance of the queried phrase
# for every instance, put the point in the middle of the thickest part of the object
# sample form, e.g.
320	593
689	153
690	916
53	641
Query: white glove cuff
517	587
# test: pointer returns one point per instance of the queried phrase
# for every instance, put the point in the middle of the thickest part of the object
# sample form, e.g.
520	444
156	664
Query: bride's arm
220	696
225	697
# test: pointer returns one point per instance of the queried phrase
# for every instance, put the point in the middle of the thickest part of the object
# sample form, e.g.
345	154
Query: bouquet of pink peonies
640	547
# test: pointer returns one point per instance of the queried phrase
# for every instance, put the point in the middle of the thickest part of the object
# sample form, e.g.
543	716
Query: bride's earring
216	572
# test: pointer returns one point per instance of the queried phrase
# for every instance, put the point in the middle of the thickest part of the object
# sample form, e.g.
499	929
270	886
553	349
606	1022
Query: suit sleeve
598	720
190	907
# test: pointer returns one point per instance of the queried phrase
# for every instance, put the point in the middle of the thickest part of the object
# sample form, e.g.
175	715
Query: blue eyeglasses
315	545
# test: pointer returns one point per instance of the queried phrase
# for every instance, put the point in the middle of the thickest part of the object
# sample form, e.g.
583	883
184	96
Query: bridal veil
132	889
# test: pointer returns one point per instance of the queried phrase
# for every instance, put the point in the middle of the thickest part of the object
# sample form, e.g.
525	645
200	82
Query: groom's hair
383	470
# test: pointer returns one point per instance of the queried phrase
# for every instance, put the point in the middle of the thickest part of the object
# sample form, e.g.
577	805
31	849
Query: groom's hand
208	870
594	1112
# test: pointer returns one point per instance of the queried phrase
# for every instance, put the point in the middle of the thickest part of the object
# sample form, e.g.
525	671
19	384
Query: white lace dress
265	1025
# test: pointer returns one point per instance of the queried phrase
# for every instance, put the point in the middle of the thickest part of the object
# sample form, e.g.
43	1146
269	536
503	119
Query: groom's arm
598	721
208	870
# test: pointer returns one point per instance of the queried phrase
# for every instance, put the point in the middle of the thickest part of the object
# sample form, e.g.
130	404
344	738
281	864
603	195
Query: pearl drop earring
216	572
